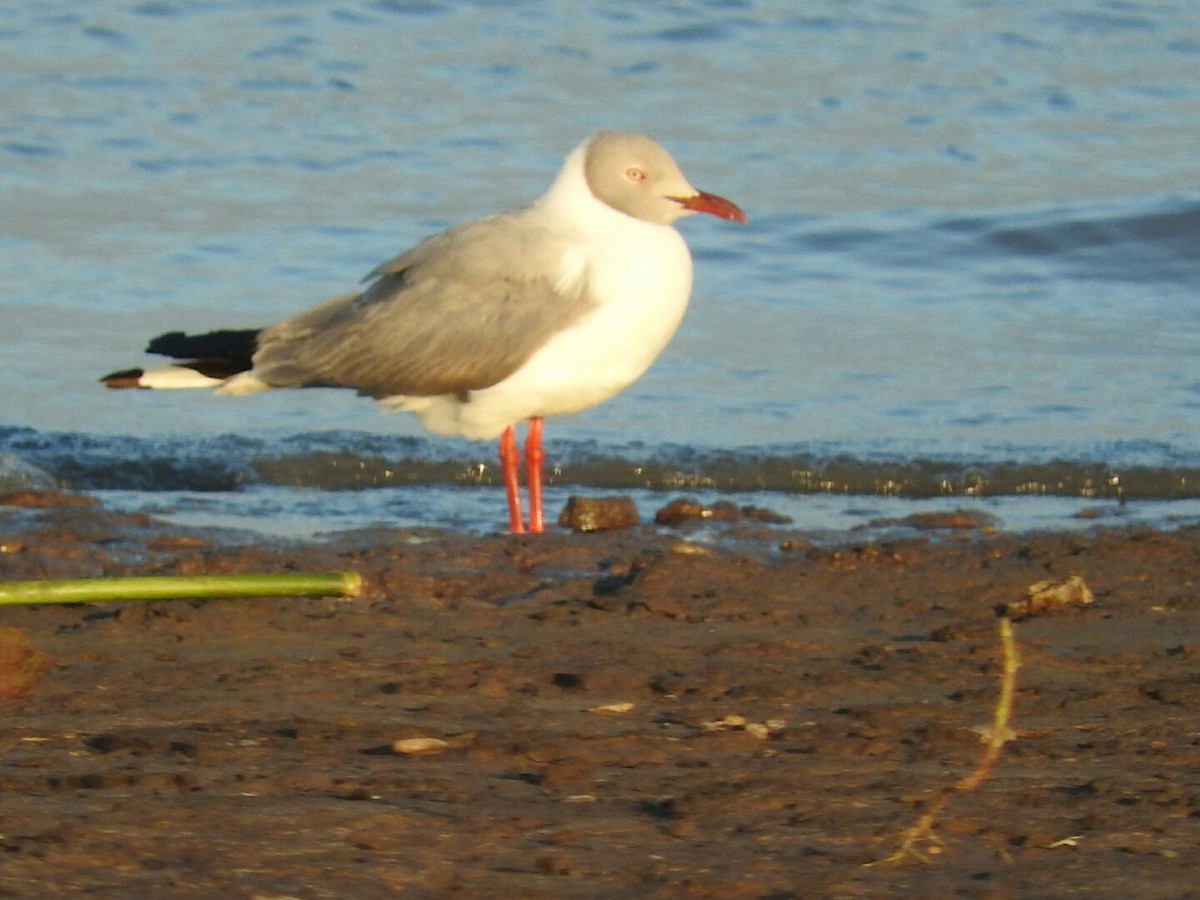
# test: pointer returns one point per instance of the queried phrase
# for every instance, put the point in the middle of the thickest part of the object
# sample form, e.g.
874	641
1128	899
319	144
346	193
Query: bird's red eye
634	174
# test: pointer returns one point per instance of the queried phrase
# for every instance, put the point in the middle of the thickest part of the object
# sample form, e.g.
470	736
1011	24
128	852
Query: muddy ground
629	714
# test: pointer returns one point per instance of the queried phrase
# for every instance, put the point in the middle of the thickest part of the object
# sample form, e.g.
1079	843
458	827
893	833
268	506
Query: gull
545	310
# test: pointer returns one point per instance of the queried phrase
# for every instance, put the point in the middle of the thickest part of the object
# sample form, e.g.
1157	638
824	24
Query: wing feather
459	312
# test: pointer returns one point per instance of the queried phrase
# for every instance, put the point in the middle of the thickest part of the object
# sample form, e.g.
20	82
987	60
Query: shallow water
974	230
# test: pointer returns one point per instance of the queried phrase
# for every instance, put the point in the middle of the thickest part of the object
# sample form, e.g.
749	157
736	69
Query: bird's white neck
571	202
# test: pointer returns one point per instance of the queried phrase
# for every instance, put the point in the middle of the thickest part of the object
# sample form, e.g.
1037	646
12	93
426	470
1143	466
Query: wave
352	461
1154	239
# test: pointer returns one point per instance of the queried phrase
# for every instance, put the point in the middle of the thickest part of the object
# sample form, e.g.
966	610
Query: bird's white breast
640	281
640	278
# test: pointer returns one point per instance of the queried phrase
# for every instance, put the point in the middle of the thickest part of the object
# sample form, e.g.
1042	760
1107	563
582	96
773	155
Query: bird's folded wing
458	312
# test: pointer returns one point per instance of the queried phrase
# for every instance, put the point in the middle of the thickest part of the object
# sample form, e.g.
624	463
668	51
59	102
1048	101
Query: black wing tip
235	344
163	342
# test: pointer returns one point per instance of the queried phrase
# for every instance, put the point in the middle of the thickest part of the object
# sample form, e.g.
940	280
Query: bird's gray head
634	175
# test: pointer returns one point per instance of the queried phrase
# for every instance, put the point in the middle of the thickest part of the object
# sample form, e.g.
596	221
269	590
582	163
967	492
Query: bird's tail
206	360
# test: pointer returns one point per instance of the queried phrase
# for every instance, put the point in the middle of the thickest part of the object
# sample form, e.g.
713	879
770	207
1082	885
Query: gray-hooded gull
546	310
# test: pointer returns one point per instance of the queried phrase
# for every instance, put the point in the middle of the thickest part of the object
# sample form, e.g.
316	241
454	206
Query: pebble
599	514
413	746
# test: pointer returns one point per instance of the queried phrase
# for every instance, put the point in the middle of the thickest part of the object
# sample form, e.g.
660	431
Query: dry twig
998	733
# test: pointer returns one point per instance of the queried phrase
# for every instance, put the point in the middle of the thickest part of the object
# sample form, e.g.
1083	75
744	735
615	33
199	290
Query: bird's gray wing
461	311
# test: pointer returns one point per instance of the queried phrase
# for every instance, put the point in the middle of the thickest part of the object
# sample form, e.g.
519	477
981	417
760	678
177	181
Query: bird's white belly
642	299
590	362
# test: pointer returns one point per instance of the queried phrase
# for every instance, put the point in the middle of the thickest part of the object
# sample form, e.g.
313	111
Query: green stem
181	587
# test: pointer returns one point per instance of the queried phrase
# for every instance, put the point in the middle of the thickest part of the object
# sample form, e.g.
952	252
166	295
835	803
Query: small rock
677	512
598	514
1045	596
958	519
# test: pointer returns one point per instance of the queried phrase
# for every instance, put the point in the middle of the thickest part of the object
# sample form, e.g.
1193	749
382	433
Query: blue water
974	236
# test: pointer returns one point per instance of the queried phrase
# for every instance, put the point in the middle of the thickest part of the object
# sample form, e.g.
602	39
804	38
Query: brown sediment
614	714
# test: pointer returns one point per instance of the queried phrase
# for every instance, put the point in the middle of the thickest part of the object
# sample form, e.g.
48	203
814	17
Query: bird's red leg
533	473
512	482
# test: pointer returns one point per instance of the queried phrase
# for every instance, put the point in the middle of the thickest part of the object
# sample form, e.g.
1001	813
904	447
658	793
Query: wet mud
629	714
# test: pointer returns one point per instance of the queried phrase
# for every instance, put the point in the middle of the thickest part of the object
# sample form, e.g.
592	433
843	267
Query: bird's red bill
713	205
